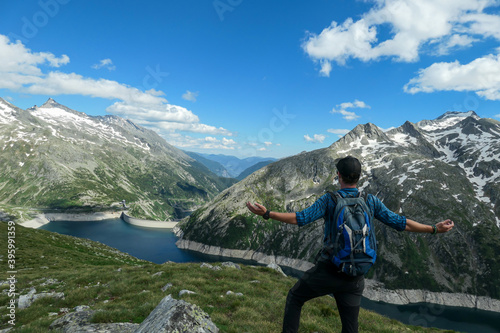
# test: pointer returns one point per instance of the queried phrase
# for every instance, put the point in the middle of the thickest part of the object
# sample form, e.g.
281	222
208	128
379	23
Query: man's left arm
441	227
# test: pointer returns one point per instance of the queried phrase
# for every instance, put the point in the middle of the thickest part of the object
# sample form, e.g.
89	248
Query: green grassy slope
127	289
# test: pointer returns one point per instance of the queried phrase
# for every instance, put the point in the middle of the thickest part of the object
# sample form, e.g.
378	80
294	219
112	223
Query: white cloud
59	83
228	142
446	45
317	138
339	132
21	71
355	104
497	115
16	58
483	24
481	75
326	68
268	143
172	127
348	115
190	96
414	27
156	112
206	143
107	63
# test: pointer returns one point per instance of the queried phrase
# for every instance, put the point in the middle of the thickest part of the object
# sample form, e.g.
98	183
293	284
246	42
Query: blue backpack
350	242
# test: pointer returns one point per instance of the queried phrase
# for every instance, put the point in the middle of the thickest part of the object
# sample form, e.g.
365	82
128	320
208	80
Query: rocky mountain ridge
57	158
428	171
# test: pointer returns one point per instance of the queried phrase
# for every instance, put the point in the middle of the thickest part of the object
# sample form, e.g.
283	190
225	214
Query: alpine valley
428	171
53	157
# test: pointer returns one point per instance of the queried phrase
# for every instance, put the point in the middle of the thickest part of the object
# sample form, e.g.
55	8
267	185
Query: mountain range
429	171
231	166
56	158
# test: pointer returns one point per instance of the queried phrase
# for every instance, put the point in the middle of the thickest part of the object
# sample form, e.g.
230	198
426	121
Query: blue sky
254	77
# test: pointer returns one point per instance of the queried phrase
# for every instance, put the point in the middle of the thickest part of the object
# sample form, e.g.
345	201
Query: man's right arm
259	209
290	218
310	214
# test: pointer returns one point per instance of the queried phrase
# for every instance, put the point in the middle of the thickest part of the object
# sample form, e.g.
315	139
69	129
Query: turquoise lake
158	246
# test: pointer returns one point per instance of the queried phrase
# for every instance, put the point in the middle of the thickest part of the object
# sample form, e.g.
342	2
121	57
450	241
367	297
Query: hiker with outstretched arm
349	245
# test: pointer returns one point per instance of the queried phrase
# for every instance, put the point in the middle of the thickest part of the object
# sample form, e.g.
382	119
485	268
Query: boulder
167	286
25	301
79	322
215	268
173	315
229	292
276	268
231	265
169	316
185	291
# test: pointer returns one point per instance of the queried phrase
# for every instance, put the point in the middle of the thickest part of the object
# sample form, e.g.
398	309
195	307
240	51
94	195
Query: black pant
323	279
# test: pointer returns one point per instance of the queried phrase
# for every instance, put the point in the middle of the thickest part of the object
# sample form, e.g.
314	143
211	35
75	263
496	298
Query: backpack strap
336	195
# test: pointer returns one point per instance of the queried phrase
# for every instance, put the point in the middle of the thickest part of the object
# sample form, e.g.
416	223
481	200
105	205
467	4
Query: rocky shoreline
44	218
374	290
147	223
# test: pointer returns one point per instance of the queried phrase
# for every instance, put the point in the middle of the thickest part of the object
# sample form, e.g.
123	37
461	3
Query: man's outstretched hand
256	208
445	226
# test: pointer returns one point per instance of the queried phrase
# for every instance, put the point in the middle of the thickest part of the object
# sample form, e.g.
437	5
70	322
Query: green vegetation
126	289
77	170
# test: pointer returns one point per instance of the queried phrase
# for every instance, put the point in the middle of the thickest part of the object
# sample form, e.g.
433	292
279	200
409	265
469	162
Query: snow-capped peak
76	126
7	111
455	114
446	120
51	104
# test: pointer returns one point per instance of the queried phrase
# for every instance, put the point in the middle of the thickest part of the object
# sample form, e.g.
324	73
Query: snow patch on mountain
460	139
467	145
59	117
404	140
6	113
446	120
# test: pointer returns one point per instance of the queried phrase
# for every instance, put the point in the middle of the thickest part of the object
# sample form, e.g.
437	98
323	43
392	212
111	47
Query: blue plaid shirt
379	210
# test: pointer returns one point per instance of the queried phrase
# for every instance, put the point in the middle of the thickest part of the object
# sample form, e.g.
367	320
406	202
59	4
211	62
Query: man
325	278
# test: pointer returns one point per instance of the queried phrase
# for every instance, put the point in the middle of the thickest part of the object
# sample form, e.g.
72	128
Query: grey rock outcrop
166	287
186	292
276	268
79	322
25	301
231	265
214	268
173	315
170	315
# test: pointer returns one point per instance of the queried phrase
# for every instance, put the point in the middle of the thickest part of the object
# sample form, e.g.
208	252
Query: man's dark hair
350	169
